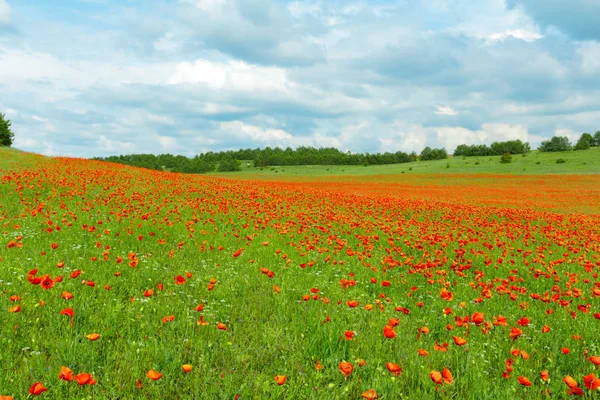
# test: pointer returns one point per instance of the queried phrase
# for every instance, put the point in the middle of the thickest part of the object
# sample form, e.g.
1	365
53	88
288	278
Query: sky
92	78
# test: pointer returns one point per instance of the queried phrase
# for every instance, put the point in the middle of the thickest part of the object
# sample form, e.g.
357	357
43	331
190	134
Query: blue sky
100	77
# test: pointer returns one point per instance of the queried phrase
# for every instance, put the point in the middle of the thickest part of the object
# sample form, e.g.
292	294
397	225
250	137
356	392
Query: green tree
557	143
584	142
229	164
6	135
596	139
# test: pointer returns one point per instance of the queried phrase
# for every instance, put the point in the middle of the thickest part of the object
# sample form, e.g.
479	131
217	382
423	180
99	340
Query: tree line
495	149
561	143
231	160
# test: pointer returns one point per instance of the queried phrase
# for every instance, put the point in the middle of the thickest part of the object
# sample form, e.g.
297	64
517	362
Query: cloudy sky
100	77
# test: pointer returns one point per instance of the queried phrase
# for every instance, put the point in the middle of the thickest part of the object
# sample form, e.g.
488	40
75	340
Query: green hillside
576	162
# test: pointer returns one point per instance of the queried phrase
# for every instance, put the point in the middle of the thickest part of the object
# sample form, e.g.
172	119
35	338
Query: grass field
308	283
576	162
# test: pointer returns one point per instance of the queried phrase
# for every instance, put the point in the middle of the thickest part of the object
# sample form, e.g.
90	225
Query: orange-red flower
68	311
515	333
65	374
436	377
447	375
46	282
154	375
280	379
93	336
369	395
346	368
394	368
477	318
591	382
459	341
187	368
389	332
318	365
37	389
570	382
84	379
524	381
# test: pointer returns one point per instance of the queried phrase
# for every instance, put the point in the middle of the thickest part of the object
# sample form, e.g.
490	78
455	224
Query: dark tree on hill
229	164
557	143
6	135
433	154
584	142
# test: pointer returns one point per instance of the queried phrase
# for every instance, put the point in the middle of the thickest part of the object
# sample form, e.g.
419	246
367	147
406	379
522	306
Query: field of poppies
124	283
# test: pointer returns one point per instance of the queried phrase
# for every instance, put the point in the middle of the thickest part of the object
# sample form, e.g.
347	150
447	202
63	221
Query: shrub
506	158
561	161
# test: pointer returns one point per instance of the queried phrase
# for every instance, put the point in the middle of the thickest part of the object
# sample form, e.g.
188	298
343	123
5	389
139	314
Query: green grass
577	162
314	240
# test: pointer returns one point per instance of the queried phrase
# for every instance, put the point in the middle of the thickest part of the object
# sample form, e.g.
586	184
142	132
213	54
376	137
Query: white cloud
298	9
168	43
446	110
208	5
5	12
406	137
256	134
505	132
9	112
491	20
589	53
168	143
573	137
450	137
528	36
233	75
114	146
48	126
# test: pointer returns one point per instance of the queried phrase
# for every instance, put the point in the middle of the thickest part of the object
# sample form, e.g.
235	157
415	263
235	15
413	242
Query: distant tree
433	154
557	143
229	165
6	135
596	139
584	142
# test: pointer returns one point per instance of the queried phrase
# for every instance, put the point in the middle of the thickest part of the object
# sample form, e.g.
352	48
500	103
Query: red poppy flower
68	311
346	368
65	374
394	368
369	395
37	389
524	381
154	375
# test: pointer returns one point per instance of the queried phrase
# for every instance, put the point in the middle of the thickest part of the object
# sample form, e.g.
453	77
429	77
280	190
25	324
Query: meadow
300	282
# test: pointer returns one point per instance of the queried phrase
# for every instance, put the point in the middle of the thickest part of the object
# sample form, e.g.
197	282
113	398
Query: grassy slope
577	162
